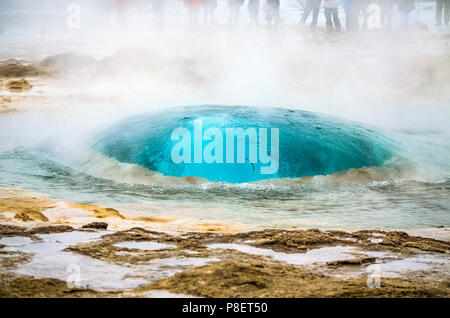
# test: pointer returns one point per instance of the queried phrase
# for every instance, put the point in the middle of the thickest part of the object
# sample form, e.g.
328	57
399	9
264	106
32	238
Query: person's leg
206	14
389	7
158	15
230	12
276	11
446	11
327	13
404	20
383	16
256	12
315	13
349	8
355	11
212	11
194	16
439	6
336	21
309	6
364	6
237	13
269	13
191	15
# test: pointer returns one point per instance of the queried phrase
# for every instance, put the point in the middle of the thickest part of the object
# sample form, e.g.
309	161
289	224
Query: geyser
240	145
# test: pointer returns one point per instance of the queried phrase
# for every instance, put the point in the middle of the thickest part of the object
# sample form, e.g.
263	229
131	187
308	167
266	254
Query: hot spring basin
241	144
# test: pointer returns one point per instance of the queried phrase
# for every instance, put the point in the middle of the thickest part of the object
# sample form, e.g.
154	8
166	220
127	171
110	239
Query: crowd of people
355	11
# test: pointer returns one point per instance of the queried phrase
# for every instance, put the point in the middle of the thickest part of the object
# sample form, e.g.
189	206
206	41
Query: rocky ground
83	250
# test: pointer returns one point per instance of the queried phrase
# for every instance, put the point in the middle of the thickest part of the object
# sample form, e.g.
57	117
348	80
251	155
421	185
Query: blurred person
362	11
405	7
209	6
331	8
158	8
273	12
314	7
193	8
442	9
387	7
122	7
253	9
351	15
234	7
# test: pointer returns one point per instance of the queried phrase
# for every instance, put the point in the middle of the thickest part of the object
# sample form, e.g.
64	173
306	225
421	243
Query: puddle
55	242
378	254
396	267
351	239
320	255
15	241
191	252
146	246
376	241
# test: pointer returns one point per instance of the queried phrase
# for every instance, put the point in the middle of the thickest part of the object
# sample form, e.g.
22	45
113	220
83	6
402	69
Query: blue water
309	144
390	193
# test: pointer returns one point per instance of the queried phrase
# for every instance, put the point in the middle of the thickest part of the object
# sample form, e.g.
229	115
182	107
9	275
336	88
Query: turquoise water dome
238	144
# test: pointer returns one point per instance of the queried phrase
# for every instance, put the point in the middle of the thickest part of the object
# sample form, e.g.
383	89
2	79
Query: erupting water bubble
242	144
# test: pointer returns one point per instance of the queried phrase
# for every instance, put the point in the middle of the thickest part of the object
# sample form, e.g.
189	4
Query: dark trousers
311	6
442	8
332	17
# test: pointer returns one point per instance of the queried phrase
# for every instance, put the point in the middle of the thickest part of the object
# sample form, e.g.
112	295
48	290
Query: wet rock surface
254	278
206	265
99	212
26	208
42	240
18	86
96	225
7	230
13	68
29	287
